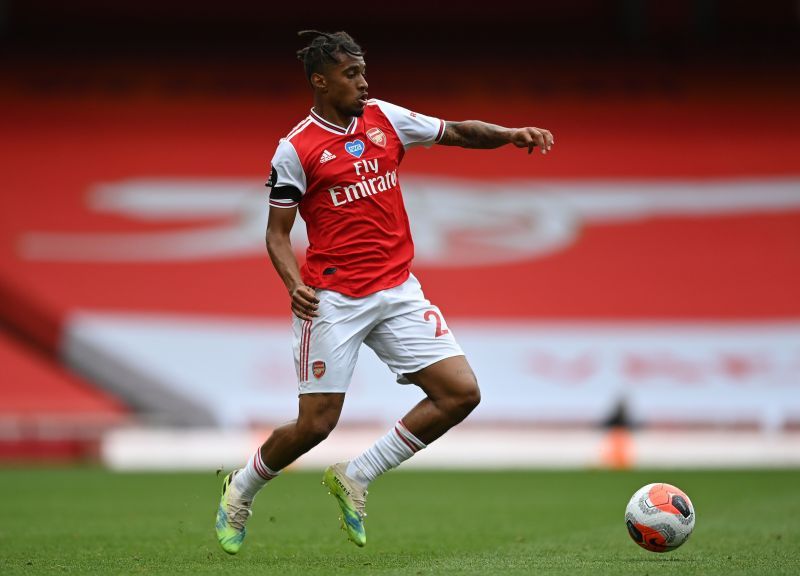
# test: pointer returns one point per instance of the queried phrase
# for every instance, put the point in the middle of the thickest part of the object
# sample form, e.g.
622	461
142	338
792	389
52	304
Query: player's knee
465	399
470	398
316	431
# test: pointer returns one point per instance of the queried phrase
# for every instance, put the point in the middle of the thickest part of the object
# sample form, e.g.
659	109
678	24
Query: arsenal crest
318	368
377	136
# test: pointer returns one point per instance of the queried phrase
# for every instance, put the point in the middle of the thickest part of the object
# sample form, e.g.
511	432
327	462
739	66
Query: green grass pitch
90	521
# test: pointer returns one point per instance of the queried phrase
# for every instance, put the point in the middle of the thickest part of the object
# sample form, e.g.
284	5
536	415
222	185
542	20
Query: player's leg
417	344
317	416
452	392
325	351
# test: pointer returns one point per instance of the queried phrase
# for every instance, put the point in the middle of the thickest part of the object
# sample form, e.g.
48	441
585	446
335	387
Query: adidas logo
326	156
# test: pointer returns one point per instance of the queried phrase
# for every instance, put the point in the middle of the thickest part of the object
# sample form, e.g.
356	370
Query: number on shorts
435	314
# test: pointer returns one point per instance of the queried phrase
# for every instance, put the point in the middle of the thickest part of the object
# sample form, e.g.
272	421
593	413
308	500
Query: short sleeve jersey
345	184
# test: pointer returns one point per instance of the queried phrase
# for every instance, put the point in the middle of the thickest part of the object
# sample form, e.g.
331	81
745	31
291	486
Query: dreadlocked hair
323	47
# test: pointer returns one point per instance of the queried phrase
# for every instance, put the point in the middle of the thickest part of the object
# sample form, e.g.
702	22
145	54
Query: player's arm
477	134
279	246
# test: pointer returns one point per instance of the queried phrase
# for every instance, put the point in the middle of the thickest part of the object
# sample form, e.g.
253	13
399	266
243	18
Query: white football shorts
401	326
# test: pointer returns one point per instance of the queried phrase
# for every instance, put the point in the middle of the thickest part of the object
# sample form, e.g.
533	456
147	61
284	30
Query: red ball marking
661	495
653	540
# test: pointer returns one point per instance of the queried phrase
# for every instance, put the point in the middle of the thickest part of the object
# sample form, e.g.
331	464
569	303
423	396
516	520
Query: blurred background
632	299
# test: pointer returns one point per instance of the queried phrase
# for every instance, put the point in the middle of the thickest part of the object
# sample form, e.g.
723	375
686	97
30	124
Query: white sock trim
412	441
262	469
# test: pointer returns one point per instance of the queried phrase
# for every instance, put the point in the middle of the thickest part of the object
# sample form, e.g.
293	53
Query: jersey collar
351	128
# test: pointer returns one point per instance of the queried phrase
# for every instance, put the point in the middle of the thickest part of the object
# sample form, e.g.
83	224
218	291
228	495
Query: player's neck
332	115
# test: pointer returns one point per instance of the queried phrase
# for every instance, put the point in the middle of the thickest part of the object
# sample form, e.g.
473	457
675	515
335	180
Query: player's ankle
358	477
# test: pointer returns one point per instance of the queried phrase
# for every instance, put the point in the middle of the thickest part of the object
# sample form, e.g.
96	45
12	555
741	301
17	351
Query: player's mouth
363	99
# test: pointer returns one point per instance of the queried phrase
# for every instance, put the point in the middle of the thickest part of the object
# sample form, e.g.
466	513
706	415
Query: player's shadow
659	559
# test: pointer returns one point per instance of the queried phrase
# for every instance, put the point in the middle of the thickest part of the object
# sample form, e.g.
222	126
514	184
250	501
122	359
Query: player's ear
318	82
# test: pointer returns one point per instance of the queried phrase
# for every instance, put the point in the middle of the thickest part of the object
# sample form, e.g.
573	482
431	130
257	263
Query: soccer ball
660	517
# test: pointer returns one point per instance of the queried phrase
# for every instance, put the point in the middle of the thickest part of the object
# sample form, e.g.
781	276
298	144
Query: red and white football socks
388	452
253	476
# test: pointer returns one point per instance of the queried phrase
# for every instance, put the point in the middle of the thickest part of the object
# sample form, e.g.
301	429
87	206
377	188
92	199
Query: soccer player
338	167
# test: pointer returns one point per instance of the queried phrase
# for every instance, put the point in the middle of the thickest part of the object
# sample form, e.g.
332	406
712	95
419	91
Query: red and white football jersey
345	182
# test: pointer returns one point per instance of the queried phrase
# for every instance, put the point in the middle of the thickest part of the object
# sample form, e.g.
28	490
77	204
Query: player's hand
305	302
531	137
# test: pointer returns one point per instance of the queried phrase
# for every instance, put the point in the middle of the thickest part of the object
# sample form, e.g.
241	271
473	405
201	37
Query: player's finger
306	302
539	138
299	313
530	142
308	293
305	298
303	312
307	308
548	139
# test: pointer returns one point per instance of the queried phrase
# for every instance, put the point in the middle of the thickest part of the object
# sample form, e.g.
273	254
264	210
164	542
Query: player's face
347	85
